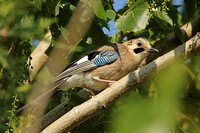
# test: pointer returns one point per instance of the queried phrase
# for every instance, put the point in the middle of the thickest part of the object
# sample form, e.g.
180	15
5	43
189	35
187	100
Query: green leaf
89	40
98	9
133	3
175	15
37	4
190	7
163	20
57	9
72	7
135	19
110	14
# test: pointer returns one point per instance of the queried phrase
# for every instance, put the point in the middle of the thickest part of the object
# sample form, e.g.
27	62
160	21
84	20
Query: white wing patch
85	58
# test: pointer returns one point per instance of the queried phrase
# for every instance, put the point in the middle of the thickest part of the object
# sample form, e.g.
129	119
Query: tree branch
38	56
104	99
4	64
171	41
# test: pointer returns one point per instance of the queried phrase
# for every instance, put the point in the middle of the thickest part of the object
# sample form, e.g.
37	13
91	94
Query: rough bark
38	56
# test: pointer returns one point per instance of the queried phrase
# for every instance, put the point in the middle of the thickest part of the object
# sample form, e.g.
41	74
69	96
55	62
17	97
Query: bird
101	67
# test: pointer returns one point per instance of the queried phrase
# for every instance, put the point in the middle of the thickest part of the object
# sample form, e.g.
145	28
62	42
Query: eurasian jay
102	67
105	65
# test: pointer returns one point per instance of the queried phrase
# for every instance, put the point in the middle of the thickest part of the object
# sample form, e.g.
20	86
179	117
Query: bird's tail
41	100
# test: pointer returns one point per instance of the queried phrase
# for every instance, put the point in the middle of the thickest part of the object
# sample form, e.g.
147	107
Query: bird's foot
110	82
91	92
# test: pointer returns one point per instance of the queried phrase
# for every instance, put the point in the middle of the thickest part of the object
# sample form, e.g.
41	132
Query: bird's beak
151	50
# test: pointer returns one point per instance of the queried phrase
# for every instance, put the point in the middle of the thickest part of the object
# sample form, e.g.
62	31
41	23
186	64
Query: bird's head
140	46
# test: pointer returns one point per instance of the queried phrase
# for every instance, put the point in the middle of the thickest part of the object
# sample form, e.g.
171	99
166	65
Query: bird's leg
104	80
99	102
90	92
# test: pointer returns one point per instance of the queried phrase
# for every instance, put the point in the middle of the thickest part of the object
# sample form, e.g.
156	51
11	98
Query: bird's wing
89	62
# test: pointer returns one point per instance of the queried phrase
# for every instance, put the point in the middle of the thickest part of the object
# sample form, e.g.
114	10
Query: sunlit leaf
134	3
110	14
134	20
98	9
57	8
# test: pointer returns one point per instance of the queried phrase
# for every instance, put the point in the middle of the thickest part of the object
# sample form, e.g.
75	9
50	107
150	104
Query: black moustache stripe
138	50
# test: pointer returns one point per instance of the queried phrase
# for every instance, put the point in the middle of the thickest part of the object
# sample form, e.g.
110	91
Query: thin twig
3	67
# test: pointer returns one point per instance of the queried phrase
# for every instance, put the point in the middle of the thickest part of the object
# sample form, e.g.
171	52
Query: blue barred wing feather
106	57
87	63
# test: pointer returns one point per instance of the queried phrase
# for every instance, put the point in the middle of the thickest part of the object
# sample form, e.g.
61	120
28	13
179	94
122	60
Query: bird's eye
139	44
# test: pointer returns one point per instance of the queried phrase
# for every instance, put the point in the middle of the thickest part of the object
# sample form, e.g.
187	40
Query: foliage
129	21
170	103
154	115
13	121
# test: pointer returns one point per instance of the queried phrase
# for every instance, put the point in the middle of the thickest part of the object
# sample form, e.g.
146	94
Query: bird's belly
76	80
93	84
86	80
83	80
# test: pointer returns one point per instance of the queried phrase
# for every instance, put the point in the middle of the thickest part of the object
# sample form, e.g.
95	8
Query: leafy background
168	103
